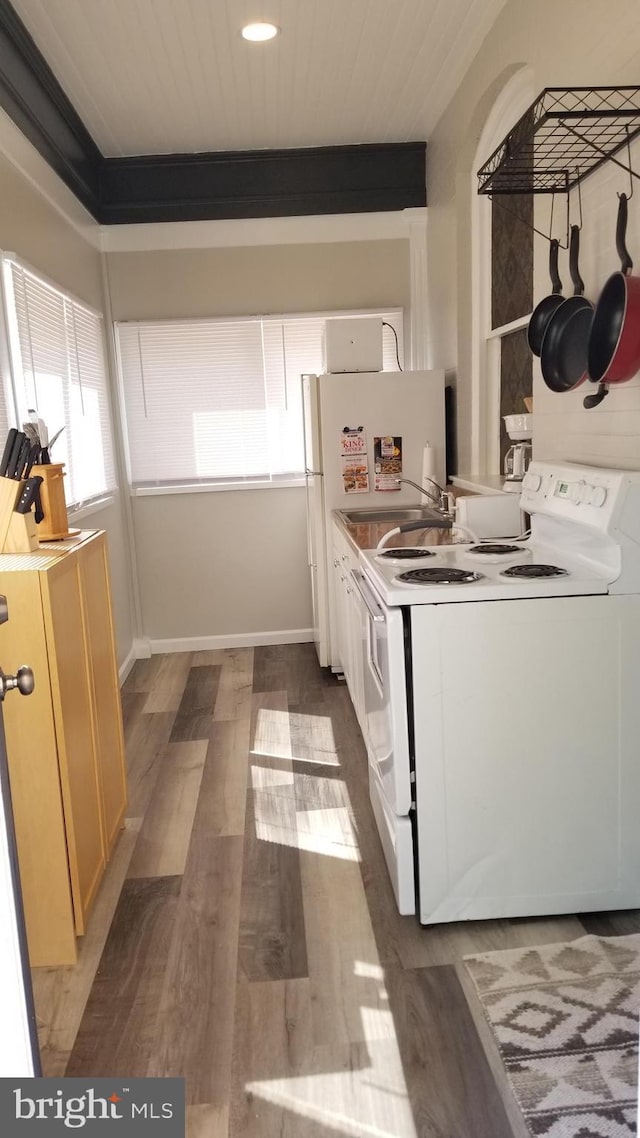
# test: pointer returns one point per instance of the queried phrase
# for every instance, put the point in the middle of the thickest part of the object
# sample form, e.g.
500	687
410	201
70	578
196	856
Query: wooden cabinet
64	742
98	622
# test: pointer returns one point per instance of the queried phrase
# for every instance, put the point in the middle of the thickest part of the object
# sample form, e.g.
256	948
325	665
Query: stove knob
532	482
598	496
585	493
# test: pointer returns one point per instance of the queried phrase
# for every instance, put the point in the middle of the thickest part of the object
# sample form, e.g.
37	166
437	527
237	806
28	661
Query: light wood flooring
246	935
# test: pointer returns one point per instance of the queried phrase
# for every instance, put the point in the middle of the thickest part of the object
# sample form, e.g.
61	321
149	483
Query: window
210	401
58	367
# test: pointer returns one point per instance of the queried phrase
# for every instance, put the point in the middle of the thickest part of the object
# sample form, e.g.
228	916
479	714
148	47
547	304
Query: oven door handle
375	611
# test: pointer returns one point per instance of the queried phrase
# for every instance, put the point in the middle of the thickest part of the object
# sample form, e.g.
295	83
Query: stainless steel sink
394	515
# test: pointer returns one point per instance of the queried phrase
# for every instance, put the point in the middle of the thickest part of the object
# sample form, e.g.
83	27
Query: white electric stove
484	571
502	708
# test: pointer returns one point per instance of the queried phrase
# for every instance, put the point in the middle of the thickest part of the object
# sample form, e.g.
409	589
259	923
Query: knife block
22	535
18	532
9	492
55	524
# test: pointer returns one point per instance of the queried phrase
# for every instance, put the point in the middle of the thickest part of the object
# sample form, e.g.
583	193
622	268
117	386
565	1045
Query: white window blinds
220	400
58	368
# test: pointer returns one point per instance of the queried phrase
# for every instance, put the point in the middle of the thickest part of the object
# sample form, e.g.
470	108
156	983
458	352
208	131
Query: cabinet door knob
23	681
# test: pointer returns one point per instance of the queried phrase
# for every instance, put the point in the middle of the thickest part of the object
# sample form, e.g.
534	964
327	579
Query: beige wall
34	230
30	227
259	280
569	44
222	563
219	563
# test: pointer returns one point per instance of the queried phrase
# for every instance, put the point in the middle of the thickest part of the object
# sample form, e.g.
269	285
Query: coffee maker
517	459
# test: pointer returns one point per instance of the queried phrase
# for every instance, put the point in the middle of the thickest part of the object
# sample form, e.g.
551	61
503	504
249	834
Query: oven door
386	734
385	695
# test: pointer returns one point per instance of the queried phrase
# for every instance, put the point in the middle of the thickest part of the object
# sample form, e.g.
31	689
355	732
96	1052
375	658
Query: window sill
76	515
212	487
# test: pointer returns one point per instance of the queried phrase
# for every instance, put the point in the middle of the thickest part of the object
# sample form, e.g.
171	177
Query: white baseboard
233	640
140	650
127	665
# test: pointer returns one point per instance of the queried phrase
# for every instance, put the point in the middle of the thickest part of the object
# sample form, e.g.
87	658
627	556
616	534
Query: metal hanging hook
579	196
565	244
629	168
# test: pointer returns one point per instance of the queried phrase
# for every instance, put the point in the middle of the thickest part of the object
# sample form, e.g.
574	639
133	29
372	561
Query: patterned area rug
566	1020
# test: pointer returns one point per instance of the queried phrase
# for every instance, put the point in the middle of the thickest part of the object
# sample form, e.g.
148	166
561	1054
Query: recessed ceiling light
257	33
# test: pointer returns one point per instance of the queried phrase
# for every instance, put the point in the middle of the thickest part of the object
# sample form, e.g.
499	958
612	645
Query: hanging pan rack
566	134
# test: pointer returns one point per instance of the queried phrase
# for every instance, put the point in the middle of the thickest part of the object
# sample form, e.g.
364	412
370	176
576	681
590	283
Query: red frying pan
614	343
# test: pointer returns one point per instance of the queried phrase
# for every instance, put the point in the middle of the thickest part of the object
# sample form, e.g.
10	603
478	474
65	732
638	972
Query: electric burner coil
495	548
406	553
446	575
533	572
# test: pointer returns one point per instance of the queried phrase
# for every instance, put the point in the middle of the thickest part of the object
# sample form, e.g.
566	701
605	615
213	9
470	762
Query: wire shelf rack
566	134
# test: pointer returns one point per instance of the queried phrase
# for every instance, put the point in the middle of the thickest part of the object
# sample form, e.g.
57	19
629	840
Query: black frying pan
564	344
546	307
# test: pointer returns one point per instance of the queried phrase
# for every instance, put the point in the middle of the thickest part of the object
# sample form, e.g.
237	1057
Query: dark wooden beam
264	183
33	98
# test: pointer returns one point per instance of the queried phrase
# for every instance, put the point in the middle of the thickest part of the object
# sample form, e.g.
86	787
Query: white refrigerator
406	406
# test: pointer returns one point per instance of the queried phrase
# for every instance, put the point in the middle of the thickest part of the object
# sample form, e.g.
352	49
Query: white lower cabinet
349	622
358	632
341	656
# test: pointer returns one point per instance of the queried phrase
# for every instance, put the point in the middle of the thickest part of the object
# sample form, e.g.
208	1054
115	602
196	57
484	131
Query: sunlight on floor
369	1100
272	736
289	735
327	831
266	778
368	971
322	830
348	1076
278	817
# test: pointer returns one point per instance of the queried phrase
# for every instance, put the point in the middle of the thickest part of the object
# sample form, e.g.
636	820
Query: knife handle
39	512
33	454
8	448
29	493
12	464
23	458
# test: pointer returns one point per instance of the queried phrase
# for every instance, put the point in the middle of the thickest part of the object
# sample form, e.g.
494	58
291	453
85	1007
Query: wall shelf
566	134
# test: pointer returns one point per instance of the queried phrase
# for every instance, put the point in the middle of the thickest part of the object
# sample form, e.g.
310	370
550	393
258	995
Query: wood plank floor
246	936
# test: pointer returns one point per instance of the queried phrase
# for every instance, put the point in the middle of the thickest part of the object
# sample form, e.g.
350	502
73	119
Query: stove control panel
580	492
587	495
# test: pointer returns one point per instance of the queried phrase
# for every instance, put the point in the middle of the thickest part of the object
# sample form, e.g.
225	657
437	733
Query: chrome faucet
442	499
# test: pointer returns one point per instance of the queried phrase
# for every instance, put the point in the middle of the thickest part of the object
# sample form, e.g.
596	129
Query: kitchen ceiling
175	76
